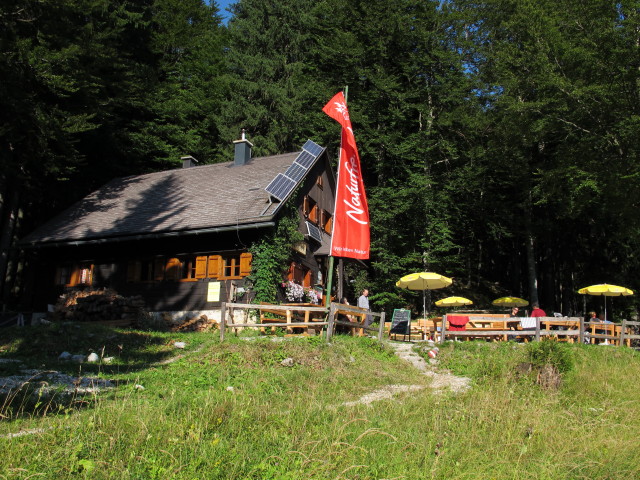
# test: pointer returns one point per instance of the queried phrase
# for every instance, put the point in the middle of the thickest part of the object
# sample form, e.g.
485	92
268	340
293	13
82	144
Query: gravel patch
384	393
48	383
441	380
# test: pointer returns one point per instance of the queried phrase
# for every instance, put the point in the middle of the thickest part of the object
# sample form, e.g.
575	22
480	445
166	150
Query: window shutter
245	264
306	282
158	269
305	205
201	267
328	224
173	269
313	215
215	266
75	276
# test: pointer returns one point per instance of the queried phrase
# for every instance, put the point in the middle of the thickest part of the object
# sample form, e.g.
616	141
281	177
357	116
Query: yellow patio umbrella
424	281
606	290
453	302
510	302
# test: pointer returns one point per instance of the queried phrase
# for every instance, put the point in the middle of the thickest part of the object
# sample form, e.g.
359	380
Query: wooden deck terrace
502	327
569	329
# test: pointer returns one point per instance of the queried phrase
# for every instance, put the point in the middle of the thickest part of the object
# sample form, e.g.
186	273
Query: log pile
195	324
98	306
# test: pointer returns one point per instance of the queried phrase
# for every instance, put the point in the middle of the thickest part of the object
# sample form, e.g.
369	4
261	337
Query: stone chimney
243	150
188	161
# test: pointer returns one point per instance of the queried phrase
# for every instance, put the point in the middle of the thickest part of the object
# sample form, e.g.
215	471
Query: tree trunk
531	260
10	210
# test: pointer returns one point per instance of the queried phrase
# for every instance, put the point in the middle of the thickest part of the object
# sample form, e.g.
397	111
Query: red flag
350	236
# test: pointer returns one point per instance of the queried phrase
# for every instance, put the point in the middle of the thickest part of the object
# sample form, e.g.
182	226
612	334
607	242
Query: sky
222	5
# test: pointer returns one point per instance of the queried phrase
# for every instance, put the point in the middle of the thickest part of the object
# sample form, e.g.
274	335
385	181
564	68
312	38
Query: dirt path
440	381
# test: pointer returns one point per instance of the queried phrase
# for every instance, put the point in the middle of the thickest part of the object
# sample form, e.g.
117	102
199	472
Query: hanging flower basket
310	295
293	292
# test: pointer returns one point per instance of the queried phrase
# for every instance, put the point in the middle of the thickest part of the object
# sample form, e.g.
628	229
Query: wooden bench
426	327
289	314
271	315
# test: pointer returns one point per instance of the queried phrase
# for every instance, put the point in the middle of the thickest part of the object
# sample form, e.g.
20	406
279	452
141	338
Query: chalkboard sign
401	321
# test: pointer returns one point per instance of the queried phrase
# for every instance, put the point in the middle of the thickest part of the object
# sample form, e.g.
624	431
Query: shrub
550	352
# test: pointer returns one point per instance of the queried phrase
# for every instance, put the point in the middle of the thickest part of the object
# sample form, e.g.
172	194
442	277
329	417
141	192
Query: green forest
498	138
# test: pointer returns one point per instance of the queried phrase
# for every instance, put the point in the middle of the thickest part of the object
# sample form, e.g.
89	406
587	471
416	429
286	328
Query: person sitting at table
514	311
591	317
605	330
529	323
537	311
344	317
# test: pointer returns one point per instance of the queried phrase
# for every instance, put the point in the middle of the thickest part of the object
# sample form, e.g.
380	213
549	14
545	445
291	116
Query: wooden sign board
401	322
213	292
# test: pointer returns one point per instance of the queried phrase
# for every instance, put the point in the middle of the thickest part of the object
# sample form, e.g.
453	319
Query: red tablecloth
457	322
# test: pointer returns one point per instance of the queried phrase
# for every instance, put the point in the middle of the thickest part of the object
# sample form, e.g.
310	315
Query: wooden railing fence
337	309
582	334
331	317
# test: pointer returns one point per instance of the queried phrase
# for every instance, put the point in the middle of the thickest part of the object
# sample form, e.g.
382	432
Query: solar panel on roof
295	172
305	159
313	148
314	232
281	186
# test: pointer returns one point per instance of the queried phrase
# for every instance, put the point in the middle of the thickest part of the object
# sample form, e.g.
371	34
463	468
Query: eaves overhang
147	236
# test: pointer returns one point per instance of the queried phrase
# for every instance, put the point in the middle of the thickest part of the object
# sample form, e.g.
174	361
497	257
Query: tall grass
232	410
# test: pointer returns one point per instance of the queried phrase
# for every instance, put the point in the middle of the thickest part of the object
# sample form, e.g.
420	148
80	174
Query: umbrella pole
424	304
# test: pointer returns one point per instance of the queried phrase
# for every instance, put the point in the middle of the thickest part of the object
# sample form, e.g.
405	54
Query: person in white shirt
363	302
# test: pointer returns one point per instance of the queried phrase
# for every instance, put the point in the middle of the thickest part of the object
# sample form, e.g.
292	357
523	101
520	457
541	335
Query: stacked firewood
98	305
195	324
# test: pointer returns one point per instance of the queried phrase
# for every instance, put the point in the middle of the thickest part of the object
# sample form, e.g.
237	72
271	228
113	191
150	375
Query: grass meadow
233	411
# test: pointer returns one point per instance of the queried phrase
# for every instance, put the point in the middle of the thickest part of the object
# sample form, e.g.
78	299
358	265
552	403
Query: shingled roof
193	199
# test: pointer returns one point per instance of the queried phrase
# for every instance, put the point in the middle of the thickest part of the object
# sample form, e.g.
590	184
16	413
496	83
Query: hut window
310	209
74	274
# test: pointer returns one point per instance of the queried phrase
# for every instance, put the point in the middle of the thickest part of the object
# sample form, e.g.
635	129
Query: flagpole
327	300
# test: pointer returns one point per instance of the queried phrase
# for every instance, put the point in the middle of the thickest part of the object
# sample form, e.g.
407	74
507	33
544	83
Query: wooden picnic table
602	328
552	323
317	314
273	314
493	323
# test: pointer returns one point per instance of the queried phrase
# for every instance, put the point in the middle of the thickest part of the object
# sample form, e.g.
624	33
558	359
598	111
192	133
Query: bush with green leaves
271	256
550	352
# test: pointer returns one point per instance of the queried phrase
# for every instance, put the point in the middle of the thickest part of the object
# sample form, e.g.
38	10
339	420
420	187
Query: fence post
581	332
381	327
331	320
537	329
443	328
223	315
623	331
